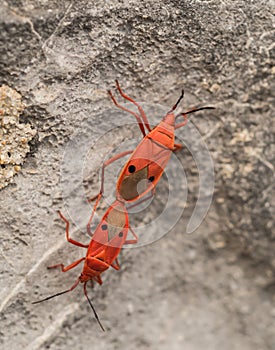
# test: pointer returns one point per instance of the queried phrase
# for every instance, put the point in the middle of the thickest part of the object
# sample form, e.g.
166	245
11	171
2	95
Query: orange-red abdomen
147	163
107	241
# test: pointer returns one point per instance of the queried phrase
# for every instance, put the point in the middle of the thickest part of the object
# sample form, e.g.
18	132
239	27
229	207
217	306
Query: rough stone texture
14	137
212	289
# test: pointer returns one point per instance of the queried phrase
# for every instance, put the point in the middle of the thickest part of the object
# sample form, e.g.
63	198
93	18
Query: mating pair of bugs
138	177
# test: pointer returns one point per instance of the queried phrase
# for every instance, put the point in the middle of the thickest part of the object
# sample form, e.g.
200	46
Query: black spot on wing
132	169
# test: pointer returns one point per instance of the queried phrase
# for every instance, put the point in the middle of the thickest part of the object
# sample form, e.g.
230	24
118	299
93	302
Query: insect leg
69	267
141	126
132	241
98	279
99	195
88	226
141	111
177	147
182	123
70	240
105	164
116	265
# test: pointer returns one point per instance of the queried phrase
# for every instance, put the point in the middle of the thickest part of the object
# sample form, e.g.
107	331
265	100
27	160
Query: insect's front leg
67	268
140	109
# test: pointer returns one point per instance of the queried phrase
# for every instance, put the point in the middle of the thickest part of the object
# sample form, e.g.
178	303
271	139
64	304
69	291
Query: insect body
145	167
109	237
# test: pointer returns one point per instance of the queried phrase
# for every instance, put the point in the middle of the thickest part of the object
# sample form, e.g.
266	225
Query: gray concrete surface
211	289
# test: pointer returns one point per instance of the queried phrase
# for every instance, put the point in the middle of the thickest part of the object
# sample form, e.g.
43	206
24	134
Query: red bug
145	167
106	243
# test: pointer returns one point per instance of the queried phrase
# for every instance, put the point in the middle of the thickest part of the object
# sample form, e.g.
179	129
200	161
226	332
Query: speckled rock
14	136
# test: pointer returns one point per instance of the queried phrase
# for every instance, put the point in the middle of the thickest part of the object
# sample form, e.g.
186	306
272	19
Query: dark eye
120	234
151	178
132	169
104	227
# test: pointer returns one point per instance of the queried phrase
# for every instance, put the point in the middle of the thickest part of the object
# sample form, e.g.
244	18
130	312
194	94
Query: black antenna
177	103
96	316
57	294
69	290
193	111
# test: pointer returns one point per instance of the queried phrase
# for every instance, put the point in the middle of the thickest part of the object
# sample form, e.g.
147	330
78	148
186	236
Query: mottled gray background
212	289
